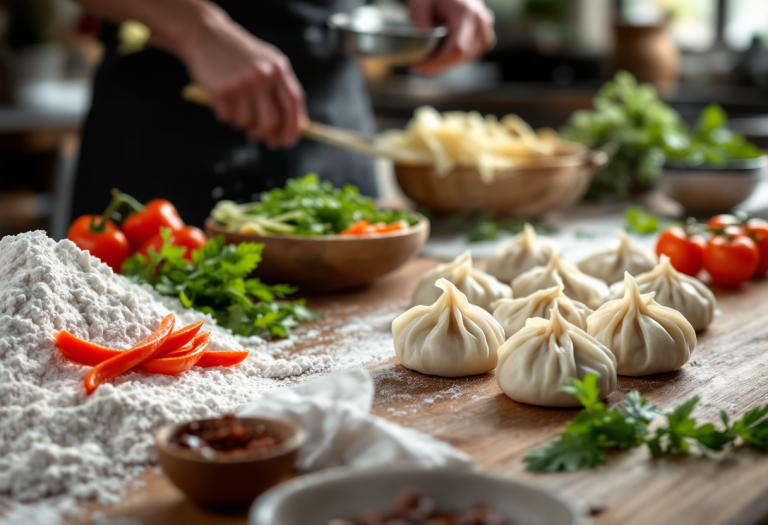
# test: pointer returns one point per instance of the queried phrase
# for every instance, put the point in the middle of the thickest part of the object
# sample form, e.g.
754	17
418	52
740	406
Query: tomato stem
118	199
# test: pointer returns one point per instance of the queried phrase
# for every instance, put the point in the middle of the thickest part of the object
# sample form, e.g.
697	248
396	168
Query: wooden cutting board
729	370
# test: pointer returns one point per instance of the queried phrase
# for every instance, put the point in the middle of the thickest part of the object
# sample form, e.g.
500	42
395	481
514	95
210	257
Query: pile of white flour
54	439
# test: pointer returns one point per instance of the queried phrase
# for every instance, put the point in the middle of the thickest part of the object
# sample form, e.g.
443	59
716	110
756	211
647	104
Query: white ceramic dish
710	190
346	492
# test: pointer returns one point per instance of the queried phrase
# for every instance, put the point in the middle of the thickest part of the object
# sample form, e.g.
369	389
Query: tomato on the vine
731	260
686	253
721	221
140	226
190	237
102	238
758	231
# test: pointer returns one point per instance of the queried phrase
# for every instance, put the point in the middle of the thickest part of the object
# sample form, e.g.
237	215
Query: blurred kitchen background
550	59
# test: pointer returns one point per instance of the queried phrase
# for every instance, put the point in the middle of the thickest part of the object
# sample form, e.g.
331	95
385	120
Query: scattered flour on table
61	446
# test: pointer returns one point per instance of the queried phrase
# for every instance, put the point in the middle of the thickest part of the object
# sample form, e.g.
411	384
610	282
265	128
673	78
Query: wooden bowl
330	263
531	190
229	482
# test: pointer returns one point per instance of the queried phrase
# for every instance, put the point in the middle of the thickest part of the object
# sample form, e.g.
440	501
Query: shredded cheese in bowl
470	139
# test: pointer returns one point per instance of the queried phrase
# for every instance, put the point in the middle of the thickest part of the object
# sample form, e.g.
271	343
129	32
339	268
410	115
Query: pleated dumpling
480	288
539	359
525	251
578	286
610	265
513	313
450	338
684	293
646	337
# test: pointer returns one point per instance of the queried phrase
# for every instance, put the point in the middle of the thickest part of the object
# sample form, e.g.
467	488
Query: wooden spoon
333	136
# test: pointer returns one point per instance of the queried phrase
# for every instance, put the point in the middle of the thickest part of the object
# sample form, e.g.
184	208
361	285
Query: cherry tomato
685	253
731	260
141	226
721	221
189	237
758	231
109	245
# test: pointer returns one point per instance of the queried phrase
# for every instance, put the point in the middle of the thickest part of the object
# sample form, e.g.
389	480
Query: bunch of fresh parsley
309	206
217	282
642	133
596	429
484	227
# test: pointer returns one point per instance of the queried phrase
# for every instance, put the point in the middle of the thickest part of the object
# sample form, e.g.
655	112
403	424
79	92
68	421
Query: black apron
140	136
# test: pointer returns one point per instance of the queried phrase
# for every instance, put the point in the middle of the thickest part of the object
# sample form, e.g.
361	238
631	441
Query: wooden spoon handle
333	136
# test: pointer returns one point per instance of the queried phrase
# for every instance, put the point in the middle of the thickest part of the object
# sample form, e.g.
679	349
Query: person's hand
470	26
251	83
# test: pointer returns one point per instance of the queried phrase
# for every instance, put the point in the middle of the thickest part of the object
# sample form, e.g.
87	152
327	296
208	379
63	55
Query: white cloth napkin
334	411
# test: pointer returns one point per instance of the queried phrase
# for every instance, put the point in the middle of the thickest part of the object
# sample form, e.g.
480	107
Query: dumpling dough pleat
519	255
450	338
578	286
513	313
646	337
610	265
539	359
480	288
684	293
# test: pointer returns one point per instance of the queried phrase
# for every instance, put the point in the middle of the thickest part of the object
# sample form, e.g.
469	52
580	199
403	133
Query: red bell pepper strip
176	364
180	337
82	352
85	353
232	358
187	348
124	361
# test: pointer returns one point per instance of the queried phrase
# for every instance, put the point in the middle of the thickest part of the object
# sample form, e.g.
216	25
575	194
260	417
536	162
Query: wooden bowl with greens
320	238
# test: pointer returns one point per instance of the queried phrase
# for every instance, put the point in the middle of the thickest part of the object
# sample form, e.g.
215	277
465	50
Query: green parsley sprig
216	282
596	429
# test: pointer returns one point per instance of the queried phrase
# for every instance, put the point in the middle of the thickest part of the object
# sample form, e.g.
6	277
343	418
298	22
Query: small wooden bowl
330	263
530	190
229	482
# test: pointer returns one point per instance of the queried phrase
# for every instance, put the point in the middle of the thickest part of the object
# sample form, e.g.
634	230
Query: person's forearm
175	24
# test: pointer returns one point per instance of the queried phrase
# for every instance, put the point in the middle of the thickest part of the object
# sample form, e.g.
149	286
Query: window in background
693	22
745	20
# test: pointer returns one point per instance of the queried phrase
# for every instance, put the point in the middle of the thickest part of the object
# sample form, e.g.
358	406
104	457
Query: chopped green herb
484	227
584	441
640	221
681	431
216	282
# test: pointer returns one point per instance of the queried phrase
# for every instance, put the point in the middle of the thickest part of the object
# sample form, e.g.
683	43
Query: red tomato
758	231
189	237
721	221
731	260
685	253
109	245
141	226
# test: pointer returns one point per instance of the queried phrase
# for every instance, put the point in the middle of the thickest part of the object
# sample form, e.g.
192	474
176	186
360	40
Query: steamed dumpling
539	359
646	337
519	255
686	294
513	313
480	288
610	265
450	338
578	286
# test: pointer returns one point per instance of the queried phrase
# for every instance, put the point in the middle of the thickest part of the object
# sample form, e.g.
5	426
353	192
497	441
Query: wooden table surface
729	370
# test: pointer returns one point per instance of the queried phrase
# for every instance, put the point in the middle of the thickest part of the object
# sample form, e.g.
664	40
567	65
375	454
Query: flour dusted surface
54	439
